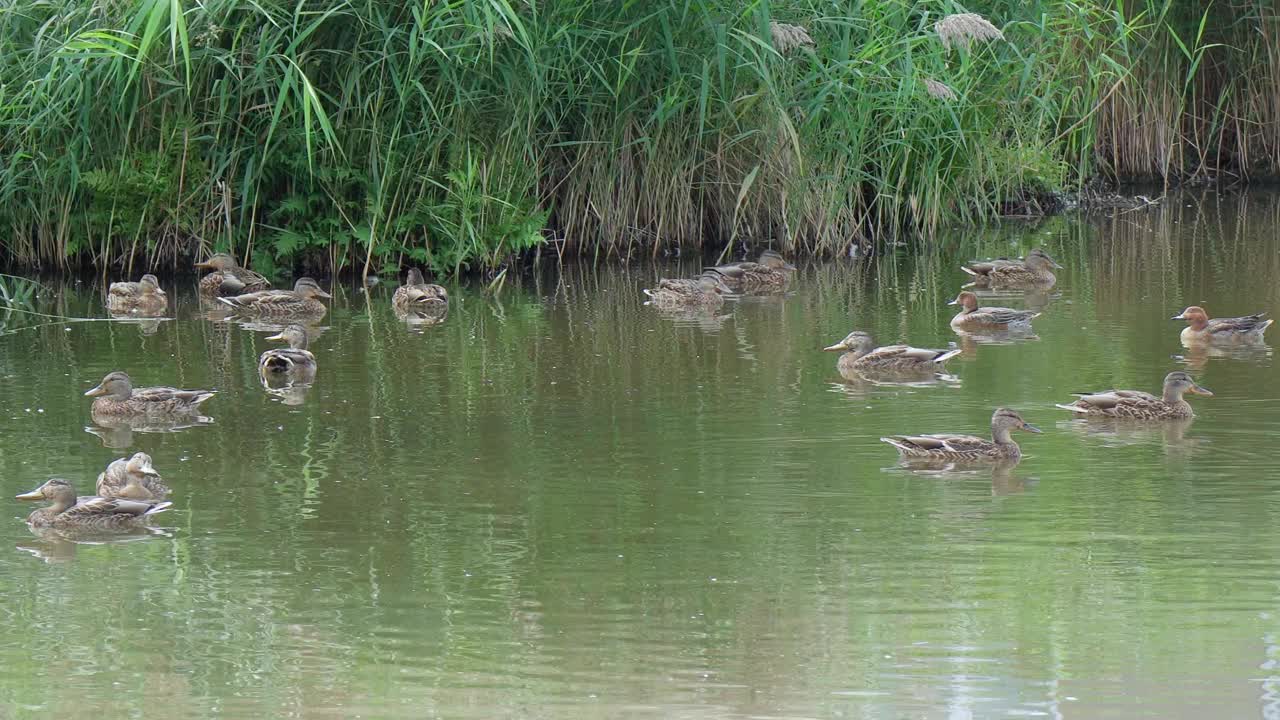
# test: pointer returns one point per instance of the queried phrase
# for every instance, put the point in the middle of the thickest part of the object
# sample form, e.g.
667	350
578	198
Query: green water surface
560	503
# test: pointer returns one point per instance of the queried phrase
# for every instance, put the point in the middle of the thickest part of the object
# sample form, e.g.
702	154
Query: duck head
57	491
1176	383
1195	316
1006	420
116	384
772	260
966	300
308	288
1039	259
295	335
219	262
856	341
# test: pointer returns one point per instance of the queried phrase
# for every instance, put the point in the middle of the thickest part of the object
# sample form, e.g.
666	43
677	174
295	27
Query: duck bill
30	496
1031	428
954	302
323	294
147	469
95	392
1056	265
788	266
838	347
1179	316
1201	391
203	266
277	336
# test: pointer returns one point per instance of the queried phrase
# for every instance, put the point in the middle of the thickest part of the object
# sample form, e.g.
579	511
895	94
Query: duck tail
158	508
1072	408
202	397
648	292
895	442
229	301
969	270
947	356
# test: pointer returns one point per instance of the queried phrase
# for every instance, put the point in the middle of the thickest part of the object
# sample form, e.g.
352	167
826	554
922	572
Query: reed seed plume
787	38
939	90
964	29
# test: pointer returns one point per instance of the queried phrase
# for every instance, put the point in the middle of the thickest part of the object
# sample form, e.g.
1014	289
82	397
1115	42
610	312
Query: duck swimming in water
90	512
228	278
132	479
972	317
967	448
1033	271
1138	405
1201	329
303	301
116	396
861	353
137	298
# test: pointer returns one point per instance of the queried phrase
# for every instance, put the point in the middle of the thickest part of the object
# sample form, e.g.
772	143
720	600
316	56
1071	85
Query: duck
770	273
967	448
971	317
228	278
116	396
301	301
705	291
1200	329
417	295
293	361
1035	270
1139	405
861	353
137	298
132	479
91	512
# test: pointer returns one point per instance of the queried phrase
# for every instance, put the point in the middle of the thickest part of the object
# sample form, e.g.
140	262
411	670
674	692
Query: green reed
371	134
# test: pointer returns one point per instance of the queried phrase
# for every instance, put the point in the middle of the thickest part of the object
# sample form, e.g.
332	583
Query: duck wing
173	395
94	508
1239	325
1004	315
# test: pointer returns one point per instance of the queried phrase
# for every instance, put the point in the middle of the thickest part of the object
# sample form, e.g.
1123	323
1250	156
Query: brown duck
137	298
228	278
1201	329
132	479
861	354
1035	270
94	513
705	291
967	448
116	396
972	317
418	295
768	274
1138	405
303	301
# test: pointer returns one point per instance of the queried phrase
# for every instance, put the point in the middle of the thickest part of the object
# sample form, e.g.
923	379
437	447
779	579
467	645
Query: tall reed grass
366	134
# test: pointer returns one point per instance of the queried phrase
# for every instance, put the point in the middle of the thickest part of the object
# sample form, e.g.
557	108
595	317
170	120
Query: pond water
560	503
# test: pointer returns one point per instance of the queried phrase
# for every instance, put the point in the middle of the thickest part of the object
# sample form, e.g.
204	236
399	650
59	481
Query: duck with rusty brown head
1201	329
974	318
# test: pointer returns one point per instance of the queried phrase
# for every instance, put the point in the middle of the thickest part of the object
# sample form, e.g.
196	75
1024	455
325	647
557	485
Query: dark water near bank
560	503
